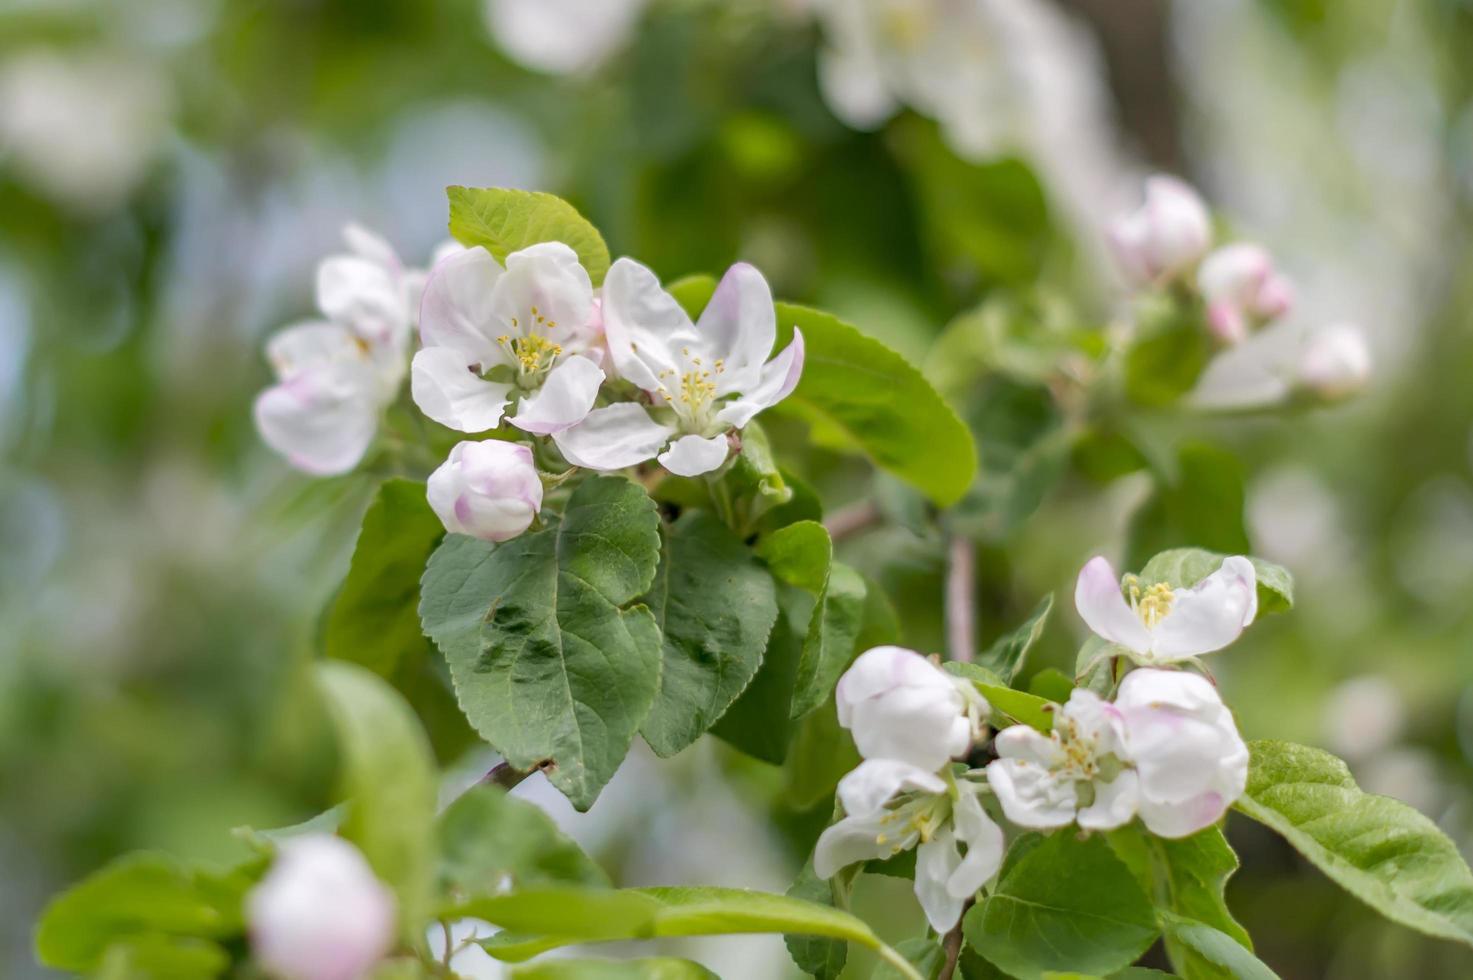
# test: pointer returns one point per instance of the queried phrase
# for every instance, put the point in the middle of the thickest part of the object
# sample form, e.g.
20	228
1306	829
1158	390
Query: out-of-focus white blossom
562	36
900	706
1166	236
1363	716
489	490
1335	362
320	914
1242	290
1159	624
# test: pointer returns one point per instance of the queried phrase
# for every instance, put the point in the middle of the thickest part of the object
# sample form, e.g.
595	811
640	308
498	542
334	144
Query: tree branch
851	520
505	775
961	612
951	945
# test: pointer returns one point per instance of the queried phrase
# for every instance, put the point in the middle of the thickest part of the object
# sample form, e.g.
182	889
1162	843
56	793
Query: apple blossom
1191	764
891	806
561	36
703	379
1160	624
1242	290
493	335
900	706
1335	363
1077	773
320	914
1166	236
489	490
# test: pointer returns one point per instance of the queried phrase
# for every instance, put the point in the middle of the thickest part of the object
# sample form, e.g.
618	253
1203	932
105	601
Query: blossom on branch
1243	291
1165	237
899	705
489	490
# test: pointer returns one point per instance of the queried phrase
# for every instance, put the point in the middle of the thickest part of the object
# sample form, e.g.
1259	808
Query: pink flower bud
1335	362
1166	236
1242	290
489	490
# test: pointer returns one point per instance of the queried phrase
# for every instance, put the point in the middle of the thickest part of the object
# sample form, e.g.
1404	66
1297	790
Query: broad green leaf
374	619
715	606
650	968
799	554
760	722
504	220
489	841
819	957
1202	506
1380	850
1020	706
141	898
553	661
402	968
1052	684
820	755
389	779
1182	568
1065	904
1166	359
1006	656
1214	955
158	957
1185	879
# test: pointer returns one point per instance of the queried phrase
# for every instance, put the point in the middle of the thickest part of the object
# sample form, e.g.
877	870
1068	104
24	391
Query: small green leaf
1201	507
489	841
1182	568
650	968
1006	656
388	777
1168	357
1065	904
1214	954
820	958
1052	684
1019	706
715	606
504	220
1380	850
553	661
157	957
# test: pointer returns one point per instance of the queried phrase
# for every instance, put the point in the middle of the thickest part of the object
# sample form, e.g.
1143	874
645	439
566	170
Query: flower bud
901	706
320	914
1191	763
489	490
1243	291
1335	363
1165	236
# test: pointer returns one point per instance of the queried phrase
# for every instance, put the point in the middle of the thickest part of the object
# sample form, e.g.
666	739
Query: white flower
892	806
1076	773
494	334
1243	291
901	706
561	36
1335	363
1166	236
704	379
1190	760
320	914
1160	624
489	490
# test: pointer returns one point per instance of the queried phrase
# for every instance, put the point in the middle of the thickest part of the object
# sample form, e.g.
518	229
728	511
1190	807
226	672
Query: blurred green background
172	170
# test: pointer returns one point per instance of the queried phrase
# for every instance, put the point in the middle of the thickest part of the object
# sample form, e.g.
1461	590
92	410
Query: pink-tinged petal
1103	608
322	419
362	295
1175	820
1227	323
985	846
643	325
1026	744
1335	363
309	345
1115	803
565	398
449	392
1182	739
1210	615
613	437
873	783
856	839
777	380
458	309
1031	795
548	278
489	490
937	861
737	328
693	455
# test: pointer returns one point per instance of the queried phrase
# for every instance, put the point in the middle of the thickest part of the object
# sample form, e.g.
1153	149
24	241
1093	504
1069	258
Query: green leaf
820	958
1019	706
504	220
389	779
157	957
138	899
374	619
1006	656
1065	904
553	662
1214	955
1202	507
489	841
882	405
760	722
821	753
1168	357
1052	684
1380	850
715	606
1182	568
650	968
926	955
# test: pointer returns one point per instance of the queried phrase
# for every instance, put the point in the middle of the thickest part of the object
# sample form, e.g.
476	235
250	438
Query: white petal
1182	739
449	392
363	295
488	489
1211	614
370	245
1031	795
853	86
561	36
985	846
871	784
855	839
321	419
936	861
1114	805
692	455
1024	743
643	324
1185	818
1101	604
899	705
738	327
776	381
309	345
565	398
546	277
457	310
613	437
1096	719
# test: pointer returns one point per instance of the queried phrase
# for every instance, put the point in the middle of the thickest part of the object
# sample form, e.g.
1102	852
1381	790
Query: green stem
901	965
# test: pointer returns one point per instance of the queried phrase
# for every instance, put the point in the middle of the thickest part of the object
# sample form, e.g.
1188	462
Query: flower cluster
1164	748
1167	243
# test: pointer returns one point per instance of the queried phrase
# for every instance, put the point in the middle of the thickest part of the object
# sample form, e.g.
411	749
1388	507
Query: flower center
534	354
1079	749
1150	604
922	815
695	394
